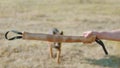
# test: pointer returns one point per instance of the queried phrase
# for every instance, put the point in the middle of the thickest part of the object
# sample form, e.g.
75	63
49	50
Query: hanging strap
102	44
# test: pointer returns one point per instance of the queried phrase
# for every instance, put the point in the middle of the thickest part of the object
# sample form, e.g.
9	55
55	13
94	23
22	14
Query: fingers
89	35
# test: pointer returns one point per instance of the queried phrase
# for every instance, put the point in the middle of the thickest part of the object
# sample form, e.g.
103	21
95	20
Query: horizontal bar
56	38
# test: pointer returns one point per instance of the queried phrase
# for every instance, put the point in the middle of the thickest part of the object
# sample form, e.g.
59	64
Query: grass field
73	17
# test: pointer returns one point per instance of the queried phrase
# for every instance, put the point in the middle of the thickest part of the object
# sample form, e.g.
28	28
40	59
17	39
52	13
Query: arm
109	35
106	35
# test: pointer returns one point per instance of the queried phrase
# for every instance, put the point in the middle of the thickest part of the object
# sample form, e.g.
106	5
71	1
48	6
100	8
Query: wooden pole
56	38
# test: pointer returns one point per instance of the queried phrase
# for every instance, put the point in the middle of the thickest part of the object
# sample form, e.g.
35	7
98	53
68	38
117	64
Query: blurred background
71	16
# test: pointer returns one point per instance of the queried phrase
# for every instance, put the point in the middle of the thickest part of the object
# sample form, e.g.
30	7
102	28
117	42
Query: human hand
90	34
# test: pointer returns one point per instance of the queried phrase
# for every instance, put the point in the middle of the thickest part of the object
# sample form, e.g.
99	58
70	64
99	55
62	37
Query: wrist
100	35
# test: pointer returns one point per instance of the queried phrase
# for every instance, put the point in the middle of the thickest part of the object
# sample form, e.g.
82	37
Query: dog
56	45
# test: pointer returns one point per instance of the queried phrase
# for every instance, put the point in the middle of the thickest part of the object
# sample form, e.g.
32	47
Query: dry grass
73	17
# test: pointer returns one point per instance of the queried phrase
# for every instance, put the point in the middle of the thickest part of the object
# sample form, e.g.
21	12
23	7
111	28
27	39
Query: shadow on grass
110	61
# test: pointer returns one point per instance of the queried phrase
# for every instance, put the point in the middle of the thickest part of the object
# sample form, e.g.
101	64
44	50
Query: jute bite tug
55	39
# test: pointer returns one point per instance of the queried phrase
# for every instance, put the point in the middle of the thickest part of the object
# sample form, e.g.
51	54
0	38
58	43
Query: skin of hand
90	34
